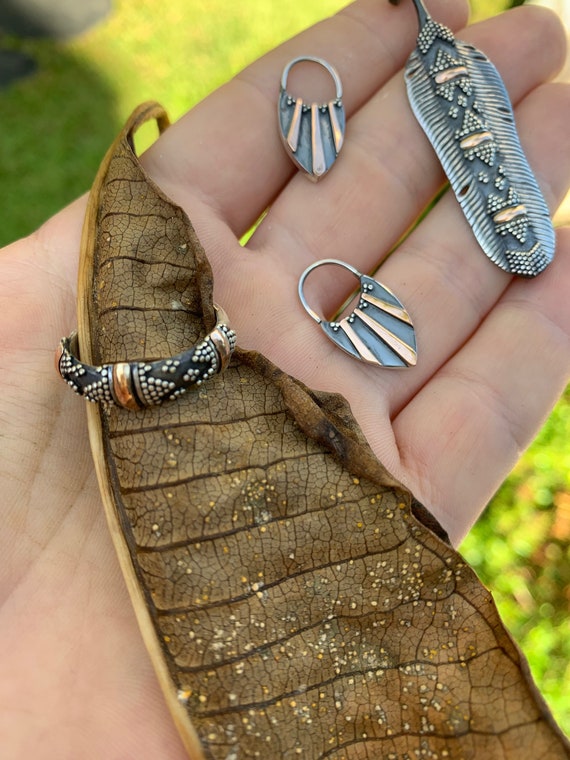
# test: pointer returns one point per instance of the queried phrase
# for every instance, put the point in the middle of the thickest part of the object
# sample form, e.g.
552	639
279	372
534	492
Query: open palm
75	681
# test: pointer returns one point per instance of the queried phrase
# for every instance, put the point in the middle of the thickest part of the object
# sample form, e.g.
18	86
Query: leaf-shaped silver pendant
378	331
461	102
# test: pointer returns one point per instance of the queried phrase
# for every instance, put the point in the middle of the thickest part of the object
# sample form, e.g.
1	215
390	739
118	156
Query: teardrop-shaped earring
312	133
378	331
461	102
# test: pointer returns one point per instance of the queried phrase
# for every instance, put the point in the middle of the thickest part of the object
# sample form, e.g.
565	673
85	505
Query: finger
58	563
358	220
445	279
227	154
37	307
440	274
389	172
465	430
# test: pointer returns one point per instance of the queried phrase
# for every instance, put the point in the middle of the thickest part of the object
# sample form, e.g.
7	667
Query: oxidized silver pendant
461	102
312	133
378	331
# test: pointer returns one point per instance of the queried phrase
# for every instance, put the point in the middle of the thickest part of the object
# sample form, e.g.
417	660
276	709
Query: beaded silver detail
140	384
430	33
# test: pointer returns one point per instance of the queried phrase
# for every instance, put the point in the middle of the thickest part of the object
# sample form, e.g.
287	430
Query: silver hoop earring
312	133
378	331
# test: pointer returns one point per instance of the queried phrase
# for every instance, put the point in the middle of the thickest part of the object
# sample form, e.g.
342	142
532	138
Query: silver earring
461	102
312	133
379	331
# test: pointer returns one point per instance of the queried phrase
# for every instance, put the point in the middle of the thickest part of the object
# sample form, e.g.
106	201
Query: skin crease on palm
75	679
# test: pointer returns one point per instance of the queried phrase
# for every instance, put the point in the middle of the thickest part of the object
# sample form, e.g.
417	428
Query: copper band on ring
122	387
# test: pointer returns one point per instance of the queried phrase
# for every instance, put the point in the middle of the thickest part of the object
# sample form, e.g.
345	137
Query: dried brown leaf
291	600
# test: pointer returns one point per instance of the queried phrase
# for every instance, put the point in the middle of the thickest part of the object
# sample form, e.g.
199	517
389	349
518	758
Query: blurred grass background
55	127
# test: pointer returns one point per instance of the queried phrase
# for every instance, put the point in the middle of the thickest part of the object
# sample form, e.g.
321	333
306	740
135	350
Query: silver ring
140	384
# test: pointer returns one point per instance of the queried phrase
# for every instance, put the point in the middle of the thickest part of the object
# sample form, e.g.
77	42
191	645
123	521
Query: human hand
76	682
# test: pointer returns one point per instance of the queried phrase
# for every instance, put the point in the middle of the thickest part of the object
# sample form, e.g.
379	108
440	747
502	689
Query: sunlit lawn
54	129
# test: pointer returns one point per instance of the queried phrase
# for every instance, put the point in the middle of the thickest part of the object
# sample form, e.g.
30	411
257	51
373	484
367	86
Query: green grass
56	126
520	548
481	9
54	130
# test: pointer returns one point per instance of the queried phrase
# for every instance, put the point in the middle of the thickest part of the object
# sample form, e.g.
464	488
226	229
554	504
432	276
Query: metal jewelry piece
139	384
312	133
379	331
461	102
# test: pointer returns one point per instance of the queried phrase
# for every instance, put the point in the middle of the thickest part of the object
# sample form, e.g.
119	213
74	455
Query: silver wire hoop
323	262
313	59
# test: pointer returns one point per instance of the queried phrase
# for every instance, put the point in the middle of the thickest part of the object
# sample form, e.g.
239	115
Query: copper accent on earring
295	127
318	150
